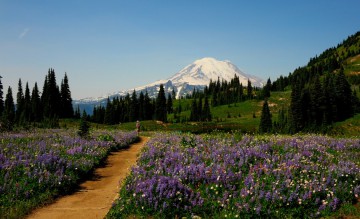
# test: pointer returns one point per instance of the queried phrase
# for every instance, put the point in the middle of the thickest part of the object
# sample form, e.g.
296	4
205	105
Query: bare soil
95	196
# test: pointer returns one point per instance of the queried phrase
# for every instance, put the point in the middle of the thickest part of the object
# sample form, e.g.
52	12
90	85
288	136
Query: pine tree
142	111
1	98
77	113
343	95
161	105
265	120
316	102
134	107
36	108
206	111
51	99
267	89
193	111
199	110
45	97
109	113
148	107
169	104
173	94
296	122
19	102
9	110
26	114
84	127
67	110
249	90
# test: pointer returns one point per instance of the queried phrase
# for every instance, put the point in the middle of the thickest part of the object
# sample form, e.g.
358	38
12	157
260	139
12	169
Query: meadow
37	166
242	176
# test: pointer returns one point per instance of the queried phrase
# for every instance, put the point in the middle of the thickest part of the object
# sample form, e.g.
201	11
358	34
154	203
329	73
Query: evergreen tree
173	95
265	120
1	98
199	110
316	102
267	89
9	110
67	110
161	105
77	113
36	108
26	114
148	107
296	109
134	107
19	102
194	111
169	104
51	99
109	113
249	90
343	96
142	110
84	127
206	111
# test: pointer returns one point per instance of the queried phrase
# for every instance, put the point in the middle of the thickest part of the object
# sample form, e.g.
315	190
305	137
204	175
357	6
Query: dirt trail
95	196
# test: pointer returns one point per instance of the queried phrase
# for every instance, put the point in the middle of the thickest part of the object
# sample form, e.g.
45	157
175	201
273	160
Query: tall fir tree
343	96
9	110
19	102
249	90
206	111
148	107
109	113
142	110
1	98
36	108
161	105
84	128
267	89
67	110
265	120
296	116
199	110
51	99
77	114
134	107
26	114
169	104
173	94
194	110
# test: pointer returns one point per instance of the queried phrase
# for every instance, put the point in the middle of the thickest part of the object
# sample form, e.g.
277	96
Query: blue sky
107	46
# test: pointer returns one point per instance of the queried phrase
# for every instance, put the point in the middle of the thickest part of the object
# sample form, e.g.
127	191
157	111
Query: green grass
349	127
352	65
236	116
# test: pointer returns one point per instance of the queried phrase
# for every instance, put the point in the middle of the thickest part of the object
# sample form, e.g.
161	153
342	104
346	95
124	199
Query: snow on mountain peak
203	70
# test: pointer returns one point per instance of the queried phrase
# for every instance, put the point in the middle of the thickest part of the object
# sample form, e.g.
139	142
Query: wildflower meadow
37	166
274	176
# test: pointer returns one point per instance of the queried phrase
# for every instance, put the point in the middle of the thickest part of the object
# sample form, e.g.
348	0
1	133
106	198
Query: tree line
35	108
133	108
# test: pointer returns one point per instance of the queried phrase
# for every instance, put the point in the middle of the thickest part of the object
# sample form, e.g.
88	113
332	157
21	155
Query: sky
109	46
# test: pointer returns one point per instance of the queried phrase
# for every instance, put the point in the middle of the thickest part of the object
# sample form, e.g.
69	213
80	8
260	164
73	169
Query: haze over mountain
196	75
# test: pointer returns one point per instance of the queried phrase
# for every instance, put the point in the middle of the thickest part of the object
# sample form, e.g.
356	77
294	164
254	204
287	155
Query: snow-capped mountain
203	70
196	75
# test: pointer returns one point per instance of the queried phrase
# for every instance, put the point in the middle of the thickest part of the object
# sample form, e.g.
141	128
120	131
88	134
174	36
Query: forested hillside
325	90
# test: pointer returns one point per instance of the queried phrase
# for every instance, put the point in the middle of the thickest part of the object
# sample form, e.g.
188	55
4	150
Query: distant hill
326	90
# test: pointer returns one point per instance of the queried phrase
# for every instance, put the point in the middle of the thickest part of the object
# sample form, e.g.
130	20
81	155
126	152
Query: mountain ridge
196	76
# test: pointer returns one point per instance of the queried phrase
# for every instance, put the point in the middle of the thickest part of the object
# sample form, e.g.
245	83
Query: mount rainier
196	75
